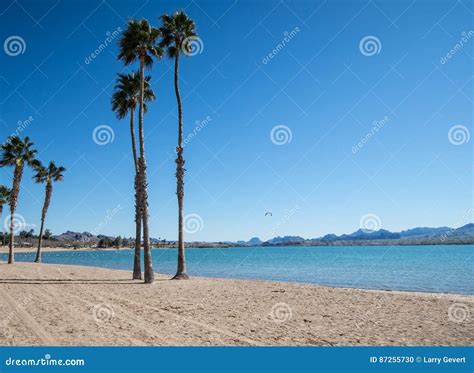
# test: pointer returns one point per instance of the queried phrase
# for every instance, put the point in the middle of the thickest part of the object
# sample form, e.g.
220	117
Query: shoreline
214	245
166	276
105	307
32	249
28	250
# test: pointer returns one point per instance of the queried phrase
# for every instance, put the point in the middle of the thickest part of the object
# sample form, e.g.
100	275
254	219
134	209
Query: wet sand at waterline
43	304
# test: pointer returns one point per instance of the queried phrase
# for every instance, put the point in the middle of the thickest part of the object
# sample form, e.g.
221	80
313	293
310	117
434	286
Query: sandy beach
71	305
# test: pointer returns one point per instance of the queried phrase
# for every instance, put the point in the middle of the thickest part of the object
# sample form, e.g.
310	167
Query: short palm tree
47	175
4	199
139	43
178	31
16	153
124	101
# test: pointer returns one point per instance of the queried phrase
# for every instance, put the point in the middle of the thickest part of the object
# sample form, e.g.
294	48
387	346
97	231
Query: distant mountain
329	237
424	232
285	239
255	241
413	236
381	234
360	234
77	236
466	231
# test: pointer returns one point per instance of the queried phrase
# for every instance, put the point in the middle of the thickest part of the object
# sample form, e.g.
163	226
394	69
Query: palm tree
47	175
139	43
177	34
4	198
124	101
16	153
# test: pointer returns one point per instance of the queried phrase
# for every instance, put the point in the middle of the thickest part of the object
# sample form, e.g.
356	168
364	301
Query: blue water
414	268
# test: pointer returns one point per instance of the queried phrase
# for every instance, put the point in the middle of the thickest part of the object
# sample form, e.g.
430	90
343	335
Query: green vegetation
16	153
124	101
177	32
48	176
141	44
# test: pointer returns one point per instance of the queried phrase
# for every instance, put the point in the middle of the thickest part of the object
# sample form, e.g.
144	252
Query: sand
45	304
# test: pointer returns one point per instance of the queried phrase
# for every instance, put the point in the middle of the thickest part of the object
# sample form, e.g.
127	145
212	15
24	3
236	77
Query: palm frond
16	151
51	173
175	30
127	93
139	40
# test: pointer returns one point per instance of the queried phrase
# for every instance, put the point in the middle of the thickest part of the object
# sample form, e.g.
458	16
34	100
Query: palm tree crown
177	30
49	174
127	93
139	40
4	195
17	152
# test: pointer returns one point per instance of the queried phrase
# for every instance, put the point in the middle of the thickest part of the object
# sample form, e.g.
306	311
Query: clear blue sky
319	84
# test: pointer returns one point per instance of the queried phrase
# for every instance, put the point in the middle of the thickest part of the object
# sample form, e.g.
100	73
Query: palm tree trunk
47	201
149	275
132	136
137	271
3	230
17	174
181	272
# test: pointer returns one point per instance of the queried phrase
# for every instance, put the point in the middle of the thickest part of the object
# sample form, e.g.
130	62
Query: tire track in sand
28	320
227	333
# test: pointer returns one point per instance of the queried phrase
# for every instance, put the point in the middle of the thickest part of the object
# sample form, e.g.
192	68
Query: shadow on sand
43	281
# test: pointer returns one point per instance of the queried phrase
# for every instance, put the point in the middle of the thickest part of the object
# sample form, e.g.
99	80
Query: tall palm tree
124	101
4	198
16	153
47	175
177	34
139	43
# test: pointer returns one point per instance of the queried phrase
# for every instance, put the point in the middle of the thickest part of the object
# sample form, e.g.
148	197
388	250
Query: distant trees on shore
20	153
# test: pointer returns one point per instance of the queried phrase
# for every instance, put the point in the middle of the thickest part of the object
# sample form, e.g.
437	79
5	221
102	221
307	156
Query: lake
440	268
